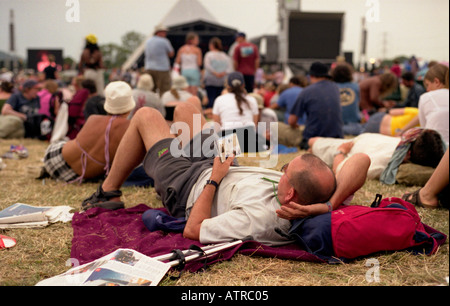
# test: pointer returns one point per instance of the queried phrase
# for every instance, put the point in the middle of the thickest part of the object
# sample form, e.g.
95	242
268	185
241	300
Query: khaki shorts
174	176
162	81
11	127
288	136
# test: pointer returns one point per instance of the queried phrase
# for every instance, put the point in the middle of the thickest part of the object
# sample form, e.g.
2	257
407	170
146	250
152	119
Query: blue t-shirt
156	53
349	102
287	100
22	105
322	106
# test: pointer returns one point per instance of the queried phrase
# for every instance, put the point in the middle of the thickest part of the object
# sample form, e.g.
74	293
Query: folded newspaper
123	267
21	215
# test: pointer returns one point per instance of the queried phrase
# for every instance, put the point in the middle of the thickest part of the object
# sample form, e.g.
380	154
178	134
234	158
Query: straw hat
160	28
145	82
179	83
118	98
258	99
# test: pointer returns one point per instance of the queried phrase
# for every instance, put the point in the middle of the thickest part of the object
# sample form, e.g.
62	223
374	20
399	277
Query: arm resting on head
350	179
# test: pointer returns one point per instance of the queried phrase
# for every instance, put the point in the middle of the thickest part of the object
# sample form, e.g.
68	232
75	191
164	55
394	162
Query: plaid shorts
55	164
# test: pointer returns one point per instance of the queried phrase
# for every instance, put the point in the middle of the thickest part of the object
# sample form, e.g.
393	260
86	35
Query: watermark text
73	11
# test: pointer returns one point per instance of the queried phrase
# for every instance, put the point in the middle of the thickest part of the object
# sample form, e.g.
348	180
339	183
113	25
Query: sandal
6	242
101	199
414	198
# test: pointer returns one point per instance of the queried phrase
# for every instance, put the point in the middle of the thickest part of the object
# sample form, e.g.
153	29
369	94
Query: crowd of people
352	131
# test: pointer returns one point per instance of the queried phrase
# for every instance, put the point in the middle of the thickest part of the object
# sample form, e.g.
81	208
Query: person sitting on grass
433	105
321	104
20	113
90	154
390	122
435	193
220	201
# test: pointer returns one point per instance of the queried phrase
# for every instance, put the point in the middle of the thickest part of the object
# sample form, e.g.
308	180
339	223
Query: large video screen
38	59
315	35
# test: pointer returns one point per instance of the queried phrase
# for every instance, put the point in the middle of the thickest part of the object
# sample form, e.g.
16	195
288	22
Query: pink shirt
45	96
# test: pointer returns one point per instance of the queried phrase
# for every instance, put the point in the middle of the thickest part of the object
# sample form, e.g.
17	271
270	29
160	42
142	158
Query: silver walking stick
180	258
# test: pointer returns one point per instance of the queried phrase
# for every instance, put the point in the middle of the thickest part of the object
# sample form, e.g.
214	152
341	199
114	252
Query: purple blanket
99	232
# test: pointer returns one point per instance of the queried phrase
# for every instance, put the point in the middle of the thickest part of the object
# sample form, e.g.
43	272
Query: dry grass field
42	253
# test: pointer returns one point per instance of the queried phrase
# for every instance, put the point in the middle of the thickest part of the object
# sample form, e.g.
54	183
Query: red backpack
390	224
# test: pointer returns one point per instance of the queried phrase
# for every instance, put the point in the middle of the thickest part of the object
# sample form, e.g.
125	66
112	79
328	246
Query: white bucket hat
118	98
145	82
179	83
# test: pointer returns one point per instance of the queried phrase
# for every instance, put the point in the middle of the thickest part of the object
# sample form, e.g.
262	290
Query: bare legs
428	195
146	128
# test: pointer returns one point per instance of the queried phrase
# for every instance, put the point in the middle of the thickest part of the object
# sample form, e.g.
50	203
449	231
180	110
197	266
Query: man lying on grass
221	201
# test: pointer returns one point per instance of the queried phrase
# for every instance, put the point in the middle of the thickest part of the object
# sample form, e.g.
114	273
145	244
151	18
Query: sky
395	27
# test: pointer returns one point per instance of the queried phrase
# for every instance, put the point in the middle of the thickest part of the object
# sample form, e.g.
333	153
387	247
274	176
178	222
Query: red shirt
245	55
267	97
395	69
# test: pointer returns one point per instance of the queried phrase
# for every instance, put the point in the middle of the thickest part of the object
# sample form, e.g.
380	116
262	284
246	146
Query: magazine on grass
21	215
123	267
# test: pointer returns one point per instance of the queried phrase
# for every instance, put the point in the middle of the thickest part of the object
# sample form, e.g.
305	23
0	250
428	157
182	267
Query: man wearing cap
322	105
246	60
22	105
158	50
85	157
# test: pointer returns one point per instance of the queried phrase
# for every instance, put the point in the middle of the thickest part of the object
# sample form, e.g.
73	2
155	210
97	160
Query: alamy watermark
373	274
73	11
373	13
256	144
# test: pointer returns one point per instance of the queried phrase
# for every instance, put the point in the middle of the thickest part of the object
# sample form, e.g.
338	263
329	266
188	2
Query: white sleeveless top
189	61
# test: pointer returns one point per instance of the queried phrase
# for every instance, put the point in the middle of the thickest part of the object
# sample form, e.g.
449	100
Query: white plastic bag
61	126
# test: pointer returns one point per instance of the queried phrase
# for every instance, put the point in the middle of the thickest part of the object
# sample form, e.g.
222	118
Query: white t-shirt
379	147
226	107
244	204
433	111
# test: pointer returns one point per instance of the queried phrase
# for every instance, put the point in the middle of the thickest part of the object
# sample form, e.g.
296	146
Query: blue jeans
352	128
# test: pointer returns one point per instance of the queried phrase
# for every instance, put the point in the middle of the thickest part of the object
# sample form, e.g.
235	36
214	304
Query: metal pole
206	253
186	252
